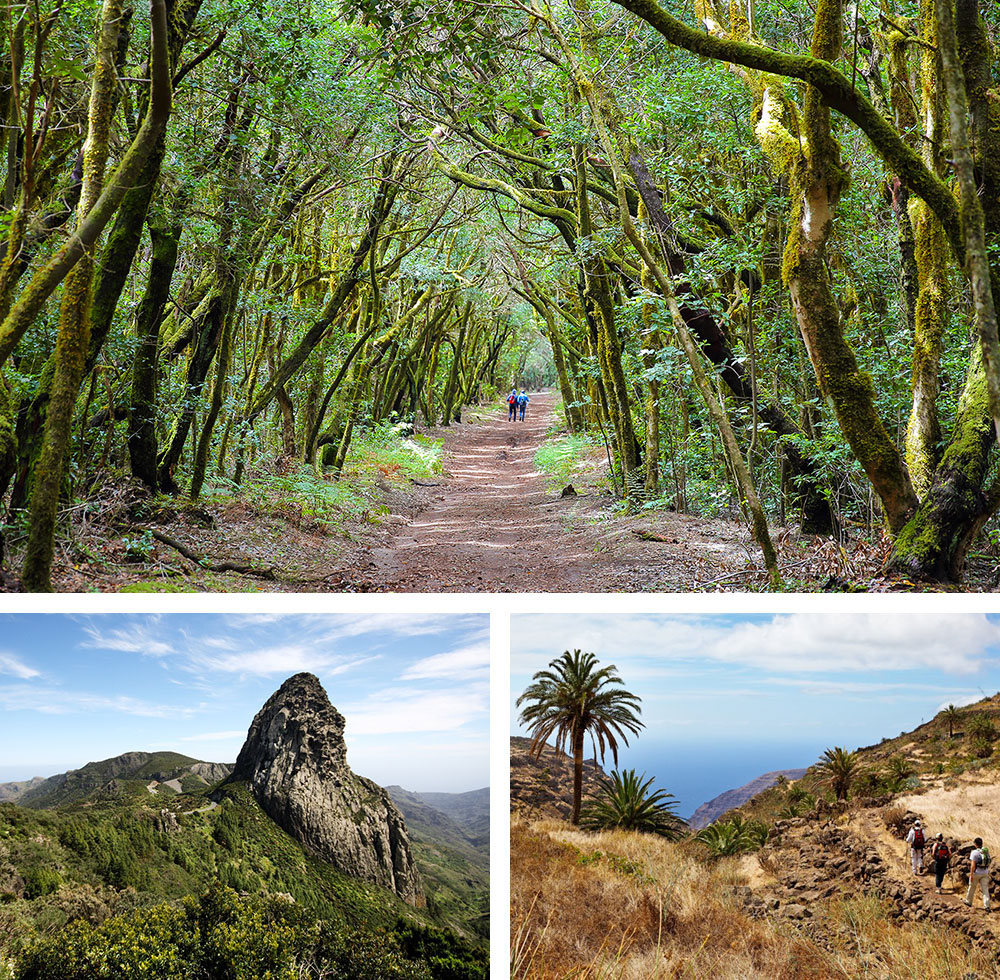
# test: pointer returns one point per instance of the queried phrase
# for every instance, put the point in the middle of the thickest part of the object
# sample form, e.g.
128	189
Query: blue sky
413	688
726	698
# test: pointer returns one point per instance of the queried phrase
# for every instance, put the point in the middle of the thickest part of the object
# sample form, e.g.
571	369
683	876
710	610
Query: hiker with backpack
915	838
979	873
942	855
522	402
512	405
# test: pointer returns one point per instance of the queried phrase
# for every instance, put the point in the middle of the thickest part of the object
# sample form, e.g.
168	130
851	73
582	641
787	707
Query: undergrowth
561	457
376	454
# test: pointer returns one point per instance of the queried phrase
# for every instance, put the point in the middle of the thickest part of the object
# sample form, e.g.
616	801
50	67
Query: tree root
224	566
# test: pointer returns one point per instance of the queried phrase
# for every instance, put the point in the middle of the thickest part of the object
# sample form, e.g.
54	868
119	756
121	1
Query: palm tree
574	697
953	716
839	768
624	802
900	770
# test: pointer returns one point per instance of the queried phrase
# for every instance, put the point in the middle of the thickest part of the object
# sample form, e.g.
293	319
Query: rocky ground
543	786
839	853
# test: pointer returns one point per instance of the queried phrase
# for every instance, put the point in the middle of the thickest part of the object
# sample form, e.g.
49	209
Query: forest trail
494	524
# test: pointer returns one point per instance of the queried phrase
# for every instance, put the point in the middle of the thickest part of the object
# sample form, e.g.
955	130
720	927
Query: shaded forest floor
489	522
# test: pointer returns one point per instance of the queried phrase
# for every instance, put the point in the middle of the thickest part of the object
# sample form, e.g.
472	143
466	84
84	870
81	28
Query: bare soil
495	525
491	522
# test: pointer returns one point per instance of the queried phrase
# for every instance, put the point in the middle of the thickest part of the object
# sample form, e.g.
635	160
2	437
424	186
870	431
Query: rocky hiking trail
809	859
494	524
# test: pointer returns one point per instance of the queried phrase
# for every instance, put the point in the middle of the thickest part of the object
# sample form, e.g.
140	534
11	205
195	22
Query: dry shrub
576	915
566	915
894	818
893	952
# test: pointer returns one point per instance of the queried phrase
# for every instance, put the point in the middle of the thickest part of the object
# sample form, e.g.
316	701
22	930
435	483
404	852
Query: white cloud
465	662
54	702
288	659
401	711
9	664
961	700
949	643
132	638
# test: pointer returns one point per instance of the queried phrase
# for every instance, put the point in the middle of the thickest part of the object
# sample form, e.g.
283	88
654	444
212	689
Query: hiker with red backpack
915	838
979	873
942	855
512	405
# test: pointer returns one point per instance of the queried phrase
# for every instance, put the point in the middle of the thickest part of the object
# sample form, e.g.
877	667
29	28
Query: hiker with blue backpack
522	402
979	873
512	405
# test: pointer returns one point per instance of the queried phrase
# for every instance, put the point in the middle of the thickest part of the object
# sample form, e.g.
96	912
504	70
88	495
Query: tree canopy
752	246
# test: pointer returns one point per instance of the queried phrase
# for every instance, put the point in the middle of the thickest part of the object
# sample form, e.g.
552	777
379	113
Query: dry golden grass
871	946
621	906
965	811
645	909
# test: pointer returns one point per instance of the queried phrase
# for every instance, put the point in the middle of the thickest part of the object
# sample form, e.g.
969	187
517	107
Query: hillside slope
829	895
160	773
452	852
543	786
732	798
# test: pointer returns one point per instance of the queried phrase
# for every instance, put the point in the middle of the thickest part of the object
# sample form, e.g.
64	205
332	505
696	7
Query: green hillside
453	857
108	863
132	771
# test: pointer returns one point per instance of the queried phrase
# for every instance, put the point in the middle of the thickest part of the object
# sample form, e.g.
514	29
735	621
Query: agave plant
733	836
797	794
625	801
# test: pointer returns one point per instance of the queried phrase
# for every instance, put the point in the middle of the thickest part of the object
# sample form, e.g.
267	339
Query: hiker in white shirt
915	838
979	873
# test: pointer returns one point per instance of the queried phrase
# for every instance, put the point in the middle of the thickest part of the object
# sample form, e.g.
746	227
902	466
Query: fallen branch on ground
652	536
223	566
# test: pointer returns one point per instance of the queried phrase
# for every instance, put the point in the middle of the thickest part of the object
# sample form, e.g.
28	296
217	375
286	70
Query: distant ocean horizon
696	772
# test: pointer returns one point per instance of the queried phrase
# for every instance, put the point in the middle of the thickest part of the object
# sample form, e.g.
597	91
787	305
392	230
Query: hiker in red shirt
942	855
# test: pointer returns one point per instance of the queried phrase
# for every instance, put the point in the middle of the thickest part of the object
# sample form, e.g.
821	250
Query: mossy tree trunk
930	253
73	339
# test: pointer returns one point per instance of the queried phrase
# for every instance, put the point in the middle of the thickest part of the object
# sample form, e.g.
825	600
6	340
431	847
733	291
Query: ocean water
695	771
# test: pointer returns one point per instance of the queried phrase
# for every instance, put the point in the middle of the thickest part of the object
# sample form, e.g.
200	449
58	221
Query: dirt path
494	525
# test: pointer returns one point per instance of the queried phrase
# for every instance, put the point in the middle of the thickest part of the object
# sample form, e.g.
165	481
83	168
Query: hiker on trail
512	405
941	855
522	402
979	873
915	838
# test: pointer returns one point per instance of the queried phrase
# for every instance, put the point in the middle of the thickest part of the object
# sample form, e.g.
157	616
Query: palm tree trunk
577	774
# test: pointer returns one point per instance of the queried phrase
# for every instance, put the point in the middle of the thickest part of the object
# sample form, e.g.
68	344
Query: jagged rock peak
297	726
295	762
